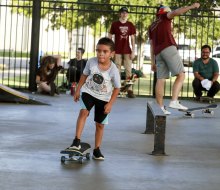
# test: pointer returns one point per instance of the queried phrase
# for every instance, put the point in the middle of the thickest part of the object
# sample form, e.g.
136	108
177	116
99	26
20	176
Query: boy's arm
108	106
81	81
79	86
114	95
133	47
182	10
152	57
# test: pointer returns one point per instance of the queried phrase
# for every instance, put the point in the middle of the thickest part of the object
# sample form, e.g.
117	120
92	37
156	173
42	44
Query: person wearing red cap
124	33
164	54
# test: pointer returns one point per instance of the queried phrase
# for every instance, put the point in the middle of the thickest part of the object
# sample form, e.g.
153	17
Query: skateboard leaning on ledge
204	109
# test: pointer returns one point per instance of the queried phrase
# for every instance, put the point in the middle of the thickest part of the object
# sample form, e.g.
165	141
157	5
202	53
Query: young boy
99	86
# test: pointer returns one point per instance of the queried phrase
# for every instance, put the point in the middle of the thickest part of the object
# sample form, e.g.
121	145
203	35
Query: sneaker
97	155
76	144
165	111
176	105
131	94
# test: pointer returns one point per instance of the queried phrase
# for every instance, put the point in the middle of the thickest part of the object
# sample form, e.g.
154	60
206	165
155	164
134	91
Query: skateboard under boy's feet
76	155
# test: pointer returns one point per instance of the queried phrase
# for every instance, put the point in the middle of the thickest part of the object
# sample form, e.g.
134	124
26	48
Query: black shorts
89	101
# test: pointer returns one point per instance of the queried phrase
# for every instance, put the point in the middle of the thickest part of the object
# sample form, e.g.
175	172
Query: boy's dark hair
82	50
108	42
206	46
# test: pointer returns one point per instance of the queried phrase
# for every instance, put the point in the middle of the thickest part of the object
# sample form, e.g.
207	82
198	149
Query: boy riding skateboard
98	87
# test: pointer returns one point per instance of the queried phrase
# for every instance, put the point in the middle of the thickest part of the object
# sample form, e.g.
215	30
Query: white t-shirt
99	83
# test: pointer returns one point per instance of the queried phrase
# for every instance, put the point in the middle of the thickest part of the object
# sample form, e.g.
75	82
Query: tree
99	14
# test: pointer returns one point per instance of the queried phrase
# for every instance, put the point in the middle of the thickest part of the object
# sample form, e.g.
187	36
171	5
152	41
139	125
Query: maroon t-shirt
122	31
160	34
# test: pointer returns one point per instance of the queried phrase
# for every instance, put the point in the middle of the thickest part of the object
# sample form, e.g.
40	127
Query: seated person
206	72
46	74
76	67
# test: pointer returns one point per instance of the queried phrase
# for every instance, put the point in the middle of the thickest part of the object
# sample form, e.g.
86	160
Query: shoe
131	94
75	145
97	155
176	105
165	111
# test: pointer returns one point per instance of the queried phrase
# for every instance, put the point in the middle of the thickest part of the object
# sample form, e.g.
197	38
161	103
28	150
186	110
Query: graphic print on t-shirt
97	83
124	32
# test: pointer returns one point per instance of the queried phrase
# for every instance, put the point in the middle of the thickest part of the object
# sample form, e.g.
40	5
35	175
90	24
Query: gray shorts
169	61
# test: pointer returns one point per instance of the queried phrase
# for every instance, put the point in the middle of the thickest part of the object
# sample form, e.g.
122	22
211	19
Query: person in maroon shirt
124	33
165	58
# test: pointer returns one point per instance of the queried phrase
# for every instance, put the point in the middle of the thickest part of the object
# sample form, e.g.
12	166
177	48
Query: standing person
76	67
164	52
98	87
124	33
206	72
46	74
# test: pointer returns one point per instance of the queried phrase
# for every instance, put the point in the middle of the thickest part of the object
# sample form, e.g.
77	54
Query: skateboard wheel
88	156
212	112
80	160
63	159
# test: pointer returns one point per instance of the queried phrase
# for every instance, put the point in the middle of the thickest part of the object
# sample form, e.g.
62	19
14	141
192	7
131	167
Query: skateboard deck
76	155
204	109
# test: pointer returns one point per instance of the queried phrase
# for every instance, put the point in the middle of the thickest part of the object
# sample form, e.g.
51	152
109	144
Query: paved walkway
31	137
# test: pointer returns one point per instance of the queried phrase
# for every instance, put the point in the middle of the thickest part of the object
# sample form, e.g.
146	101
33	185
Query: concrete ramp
8	94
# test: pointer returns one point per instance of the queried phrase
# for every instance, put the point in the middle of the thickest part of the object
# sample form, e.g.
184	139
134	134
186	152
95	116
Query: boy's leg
174	103
127	65
86	102
99	134
177	86
101	119
174	62
118	61
128	73
162	75
160	91
97	155
83	114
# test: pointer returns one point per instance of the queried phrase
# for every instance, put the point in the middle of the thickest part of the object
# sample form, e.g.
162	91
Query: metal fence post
35	35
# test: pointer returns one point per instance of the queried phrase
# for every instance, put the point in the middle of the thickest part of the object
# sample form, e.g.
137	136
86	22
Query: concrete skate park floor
33	135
